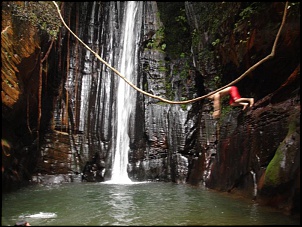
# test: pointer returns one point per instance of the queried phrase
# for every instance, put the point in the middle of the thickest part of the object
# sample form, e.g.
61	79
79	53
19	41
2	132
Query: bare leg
244	100
244	104
216	105
224	92
251	101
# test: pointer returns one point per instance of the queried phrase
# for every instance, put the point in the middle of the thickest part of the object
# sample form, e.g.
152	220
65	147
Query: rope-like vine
271	55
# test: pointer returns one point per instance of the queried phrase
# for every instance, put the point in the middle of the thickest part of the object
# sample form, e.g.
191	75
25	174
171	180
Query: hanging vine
271	55
40	91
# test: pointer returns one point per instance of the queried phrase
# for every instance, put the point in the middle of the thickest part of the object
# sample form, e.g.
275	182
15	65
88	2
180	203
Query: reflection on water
121	205
143	204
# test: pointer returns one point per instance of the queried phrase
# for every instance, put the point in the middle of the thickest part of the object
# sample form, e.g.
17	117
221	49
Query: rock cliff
46	82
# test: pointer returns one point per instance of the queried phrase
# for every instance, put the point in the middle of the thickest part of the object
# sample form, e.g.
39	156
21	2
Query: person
22	223
235	99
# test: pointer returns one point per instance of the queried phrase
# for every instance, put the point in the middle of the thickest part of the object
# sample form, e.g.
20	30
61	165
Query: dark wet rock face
255	152
94	170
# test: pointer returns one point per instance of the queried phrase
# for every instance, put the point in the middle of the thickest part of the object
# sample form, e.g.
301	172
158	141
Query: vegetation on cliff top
41	14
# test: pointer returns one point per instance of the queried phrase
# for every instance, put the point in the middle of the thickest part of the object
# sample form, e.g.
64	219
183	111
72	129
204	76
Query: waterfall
255	184
126	98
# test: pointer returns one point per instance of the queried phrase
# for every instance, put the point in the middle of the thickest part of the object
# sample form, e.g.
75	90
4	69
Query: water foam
40	215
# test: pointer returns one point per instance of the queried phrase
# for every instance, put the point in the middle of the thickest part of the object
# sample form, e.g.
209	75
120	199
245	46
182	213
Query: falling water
255	184
125	94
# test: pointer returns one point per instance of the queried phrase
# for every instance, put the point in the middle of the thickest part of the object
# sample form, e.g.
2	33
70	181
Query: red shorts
234	94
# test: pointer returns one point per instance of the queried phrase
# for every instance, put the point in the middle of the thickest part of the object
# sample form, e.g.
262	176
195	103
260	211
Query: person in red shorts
235	99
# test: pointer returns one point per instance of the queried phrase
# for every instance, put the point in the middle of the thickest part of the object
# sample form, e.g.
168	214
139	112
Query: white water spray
255	184
126	96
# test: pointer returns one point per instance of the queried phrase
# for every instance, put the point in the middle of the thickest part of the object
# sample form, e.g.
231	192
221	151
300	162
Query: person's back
22	223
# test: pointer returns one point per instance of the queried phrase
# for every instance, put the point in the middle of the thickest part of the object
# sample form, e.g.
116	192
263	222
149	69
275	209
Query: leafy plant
41	14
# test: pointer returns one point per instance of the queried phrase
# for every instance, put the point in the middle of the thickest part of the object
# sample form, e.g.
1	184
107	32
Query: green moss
183	106
41	14
161	103
293	122
273	172
272	177
169	90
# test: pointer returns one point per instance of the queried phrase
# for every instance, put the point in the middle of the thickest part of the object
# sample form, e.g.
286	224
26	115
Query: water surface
140	204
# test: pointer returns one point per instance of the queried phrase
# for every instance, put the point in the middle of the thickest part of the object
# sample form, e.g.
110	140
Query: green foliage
161	103
214	16
150	44
184	70
247	12
163	46
182	55
176	29
245	23
182	20
174	36
217	41
160	33
162	69
215	83
183	106
195	37
225	107
41	14
168	88
157	43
